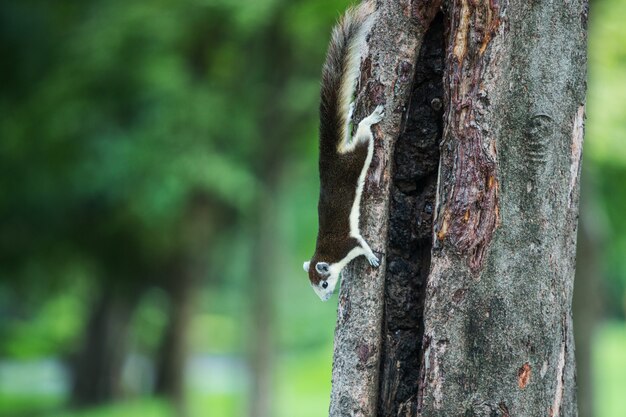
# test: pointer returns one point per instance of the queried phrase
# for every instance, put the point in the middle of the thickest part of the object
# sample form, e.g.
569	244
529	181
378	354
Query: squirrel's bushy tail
340	72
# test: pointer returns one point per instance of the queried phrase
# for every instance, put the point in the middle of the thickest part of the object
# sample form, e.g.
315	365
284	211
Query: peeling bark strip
470	193
555	410
386	78
523	375
577	150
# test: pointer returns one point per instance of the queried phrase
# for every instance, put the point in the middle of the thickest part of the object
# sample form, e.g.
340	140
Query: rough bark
498	332
496	318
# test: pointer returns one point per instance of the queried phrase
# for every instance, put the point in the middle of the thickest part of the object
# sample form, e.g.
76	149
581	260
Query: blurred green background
158	174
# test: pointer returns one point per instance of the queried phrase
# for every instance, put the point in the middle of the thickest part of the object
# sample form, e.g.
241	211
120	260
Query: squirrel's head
323	277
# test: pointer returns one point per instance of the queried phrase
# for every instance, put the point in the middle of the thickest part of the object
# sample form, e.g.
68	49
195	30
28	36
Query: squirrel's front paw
373	260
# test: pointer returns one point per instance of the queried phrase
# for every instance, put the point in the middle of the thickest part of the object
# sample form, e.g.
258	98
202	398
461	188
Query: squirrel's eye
324	284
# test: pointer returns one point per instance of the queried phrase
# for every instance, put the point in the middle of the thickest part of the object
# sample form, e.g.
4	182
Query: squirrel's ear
305	266
322	268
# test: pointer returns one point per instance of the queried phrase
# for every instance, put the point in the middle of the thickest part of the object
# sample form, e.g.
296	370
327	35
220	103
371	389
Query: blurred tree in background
158	177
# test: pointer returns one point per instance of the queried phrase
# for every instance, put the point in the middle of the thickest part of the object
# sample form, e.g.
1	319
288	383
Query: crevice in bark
412	206
388	67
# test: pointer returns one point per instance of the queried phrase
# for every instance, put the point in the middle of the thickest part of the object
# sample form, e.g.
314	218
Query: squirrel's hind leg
364	130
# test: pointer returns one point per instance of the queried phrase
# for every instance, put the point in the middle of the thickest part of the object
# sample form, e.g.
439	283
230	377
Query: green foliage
149	321
19	405
53	328
609	363
605	138
606	127
611	177
36	325
140	131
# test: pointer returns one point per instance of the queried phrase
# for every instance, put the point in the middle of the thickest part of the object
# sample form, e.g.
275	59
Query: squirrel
343	160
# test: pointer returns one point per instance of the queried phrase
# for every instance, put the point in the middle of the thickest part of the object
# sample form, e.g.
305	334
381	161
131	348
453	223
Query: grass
143	407
16	405
216	405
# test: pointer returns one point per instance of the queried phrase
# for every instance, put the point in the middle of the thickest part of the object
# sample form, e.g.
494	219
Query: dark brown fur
339	173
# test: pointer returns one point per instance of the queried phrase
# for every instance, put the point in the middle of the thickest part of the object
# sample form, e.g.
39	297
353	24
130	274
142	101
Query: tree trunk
179	275
170	381
476	318
97	369
269	163
262	285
